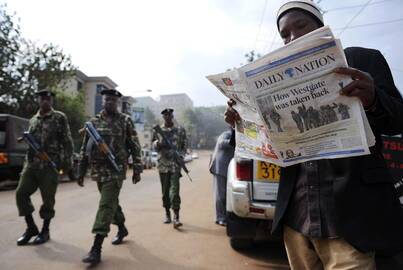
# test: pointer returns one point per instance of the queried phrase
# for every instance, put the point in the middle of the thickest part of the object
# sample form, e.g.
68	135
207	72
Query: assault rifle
177	157
100	143
38	150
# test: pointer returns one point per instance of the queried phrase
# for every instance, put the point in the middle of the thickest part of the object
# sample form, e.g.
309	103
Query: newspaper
290	104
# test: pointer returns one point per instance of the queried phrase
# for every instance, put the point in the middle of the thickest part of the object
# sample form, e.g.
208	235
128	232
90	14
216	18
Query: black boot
31	231
167	219
177	223
94	256
43	236
122	233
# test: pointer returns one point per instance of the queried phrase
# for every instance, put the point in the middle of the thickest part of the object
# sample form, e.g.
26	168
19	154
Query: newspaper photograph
298	112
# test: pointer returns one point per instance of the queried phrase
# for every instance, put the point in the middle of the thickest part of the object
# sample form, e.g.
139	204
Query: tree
251	56
191	122
149	117
204	125
214	116
10	41
26	67
74	108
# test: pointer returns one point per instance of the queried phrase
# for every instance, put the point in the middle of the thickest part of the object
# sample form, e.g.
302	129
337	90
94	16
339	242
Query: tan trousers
329	254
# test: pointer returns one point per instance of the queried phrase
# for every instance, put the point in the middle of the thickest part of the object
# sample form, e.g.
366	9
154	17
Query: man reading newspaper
290	102
338	213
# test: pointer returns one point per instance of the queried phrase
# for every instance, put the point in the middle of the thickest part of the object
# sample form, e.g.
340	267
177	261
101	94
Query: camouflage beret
111	92
167	110
45	93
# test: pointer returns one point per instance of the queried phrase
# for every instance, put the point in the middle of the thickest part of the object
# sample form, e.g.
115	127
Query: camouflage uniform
169	170
121	137
52	132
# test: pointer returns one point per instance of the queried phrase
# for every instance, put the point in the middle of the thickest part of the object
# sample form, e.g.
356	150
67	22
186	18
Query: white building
178	102
92	87
147	102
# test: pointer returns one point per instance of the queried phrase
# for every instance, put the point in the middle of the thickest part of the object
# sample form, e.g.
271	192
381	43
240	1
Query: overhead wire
273	40
260	24
354	6
355	16
348	26
371	24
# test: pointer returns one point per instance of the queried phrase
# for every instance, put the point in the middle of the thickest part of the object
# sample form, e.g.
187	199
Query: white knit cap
307	5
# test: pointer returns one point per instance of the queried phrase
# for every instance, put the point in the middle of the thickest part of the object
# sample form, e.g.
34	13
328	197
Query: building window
79	86
98	98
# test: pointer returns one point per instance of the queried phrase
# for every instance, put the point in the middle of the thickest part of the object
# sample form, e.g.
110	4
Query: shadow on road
189	228
61	252
139	258
271	254
7	185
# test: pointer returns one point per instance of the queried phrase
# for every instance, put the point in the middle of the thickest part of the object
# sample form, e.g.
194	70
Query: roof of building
105	79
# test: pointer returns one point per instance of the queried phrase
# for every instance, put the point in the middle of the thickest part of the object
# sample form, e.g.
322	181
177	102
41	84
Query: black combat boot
94	256
31	231
122	233
177	223
43	236
167	219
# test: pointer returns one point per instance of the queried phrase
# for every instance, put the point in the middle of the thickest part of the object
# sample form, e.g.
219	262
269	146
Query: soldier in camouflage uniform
169	170
51	131
118	132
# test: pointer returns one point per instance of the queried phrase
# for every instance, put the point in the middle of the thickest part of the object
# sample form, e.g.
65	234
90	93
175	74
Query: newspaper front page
290	104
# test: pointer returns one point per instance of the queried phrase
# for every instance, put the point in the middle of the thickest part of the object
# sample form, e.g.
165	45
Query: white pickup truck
251	199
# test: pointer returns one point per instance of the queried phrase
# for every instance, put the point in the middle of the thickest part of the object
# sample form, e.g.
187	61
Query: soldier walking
276	117
169	169
51	131
118	132
298	120
343	110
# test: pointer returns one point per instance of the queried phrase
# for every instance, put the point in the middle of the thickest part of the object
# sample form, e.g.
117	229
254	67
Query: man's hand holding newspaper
300	102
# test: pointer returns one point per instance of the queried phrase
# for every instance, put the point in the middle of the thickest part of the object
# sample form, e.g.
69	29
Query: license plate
267	172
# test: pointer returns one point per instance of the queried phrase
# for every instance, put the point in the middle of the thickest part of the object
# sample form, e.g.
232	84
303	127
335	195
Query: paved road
201	244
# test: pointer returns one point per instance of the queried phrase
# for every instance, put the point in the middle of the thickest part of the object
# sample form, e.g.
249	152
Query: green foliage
74	108
149	117
203	125
26	67
252	56
10	42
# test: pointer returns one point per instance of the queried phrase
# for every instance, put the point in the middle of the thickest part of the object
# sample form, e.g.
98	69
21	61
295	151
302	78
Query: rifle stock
100	143
42	155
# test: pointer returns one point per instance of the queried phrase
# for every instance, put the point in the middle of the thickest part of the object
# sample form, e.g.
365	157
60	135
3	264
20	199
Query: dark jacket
368	212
